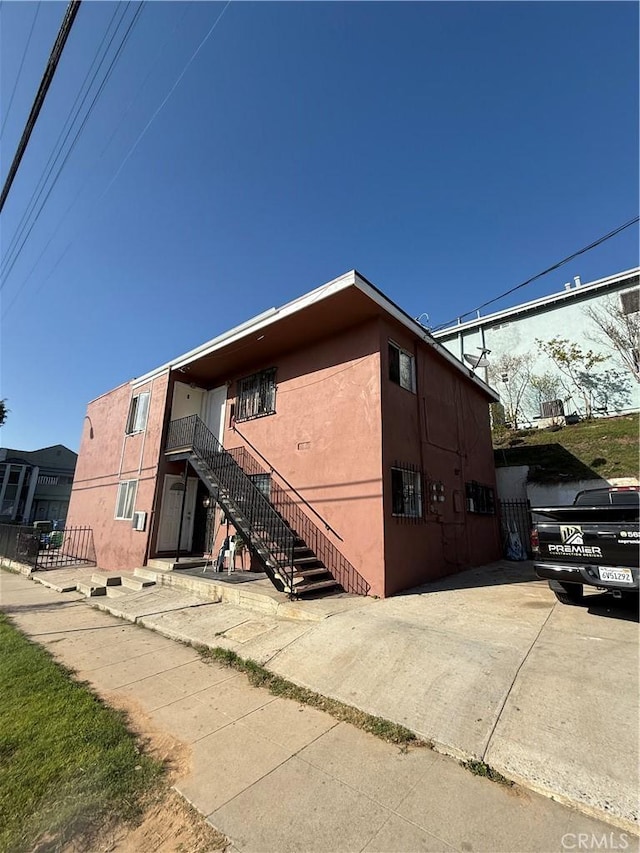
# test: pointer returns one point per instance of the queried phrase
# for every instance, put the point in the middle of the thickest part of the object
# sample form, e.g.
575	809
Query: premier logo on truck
576	550
573	543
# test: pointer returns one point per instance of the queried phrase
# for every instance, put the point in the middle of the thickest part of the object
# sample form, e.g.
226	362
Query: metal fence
516	517
56	549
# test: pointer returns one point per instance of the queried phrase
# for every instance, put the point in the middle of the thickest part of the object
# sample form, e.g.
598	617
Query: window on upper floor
138	412
256	395
402	367
630	301
480	499
406	493
126	499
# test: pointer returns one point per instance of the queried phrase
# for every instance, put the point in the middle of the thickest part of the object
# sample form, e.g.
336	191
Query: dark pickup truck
596	542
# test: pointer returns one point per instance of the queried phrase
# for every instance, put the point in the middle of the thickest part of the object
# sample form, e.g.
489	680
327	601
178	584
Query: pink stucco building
342	442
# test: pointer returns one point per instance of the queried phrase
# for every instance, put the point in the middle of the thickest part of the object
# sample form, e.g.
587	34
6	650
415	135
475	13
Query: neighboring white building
514	332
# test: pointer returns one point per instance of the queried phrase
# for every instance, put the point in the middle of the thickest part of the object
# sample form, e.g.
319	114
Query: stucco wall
442	430
107	456
518	335
325	438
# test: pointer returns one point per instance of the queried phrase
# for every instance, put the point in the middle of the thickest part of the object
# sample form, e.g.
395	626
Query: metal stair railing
289	509
249	510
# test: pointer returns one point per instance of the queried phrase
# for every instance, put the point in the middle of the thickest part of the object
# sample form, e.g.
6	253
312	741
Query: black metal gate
55	549
515	516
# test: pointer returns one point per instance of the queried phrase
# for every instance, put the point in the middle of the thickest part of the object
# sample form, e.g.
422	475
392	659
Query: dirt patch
169	823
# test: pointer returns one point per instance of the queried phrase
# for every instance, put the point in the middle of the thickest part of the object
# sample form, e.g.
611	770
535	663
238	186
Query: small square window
256	395
126	499
406	493
480	499
402	368
138	411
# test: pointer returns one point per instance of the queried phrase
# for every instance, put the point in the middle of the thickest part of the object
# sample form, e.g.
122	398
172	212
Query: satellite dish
478	360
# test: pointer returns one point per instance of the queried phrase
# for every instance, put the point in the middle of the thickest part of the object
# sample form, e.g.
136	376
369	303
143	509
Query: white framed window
402	367
138	412
126	499
406	493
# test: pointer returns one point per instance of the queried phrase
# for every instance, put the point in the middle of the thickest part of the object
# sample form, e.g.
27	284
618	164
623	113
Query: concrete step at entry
132	582
104	579
313	586
90	590
117	591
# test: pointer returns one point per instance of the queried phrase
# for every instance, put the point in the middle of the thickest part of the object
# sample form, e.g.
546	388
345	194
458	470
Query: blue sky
448	151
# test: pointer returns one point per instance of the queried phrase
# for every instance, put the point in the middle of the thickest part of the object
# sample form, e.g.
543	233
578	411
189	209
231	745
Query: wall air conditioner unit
139	520
552	409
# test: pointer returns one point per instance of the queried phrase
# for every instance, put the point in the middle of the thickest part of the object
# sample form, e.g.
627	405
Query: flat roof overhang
332	309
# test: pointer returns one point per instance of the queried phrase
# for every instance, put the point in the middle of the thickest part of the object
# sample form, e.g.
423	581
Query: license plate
618	575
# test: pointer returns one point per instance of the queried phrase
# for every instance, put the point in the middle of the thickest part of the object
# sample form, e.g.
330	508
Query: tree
618	331
510	375
543	387
576	368
3	411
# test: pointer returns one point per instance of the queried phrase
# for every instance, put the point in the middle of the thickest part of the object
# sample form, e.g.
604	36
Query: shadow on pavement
497	574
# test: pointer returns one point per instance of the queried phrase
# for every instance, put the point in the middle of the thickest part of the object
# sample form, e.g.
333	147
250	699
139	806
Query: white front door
170	514
214	410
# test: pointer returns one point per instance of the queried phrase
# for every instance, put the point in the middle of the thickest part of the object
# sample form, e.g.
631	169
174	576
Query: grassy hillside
605	447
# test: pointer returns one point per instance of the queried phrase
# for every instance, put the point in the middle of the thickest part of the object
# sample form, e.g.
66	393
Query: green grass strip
277	686
66	759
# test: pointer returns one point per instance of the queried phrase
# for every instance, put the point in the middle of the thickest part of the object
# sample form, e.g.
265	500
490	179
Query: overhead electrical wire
19	74
555	266
56	150
105	79
129	153
47	78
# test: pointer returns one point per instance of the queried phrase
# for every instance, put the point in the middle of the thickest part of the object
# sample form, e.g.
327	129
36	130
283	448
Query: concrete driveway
486	664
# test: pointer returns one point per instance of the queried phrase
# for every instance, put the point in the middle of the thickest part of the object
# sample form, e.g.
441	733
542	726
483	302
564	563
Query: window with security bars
126	499
406	493
256	395
262	482
480	499
402	369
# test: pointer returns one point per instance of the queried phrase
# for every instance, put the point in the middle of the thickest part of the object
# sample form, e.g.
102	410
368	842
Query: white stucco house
517	365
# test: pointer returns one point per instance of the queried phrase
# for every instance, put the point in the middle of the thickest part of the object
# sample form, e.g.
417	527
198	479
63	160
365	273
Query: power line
72	115
24	55
556	266
76	137
45	83
161	52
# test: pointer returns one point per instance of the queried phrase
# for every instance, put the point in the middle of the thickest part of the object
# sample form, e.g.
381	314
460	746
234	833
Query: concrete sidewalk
276	776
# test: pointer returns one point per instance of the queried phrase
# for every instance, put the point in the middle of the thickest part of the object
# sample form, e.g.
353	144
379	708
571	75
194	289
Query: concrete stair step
104	579
314	586
90	590
117	591
137	583
309	573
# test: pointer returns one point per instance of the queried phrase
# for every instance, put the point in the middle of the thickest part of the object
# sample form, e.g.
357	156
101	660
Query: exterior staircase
290	560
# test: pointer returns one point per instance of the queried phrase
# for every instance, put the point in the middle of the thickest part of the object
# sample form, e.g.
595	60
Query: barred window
402	369
480	499
406	493
256	395
262	482
126	499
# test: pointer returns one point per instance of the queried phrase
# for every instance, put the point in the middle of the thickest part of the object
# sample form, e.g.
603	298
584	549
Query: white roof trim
255	324
349	279
489	319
